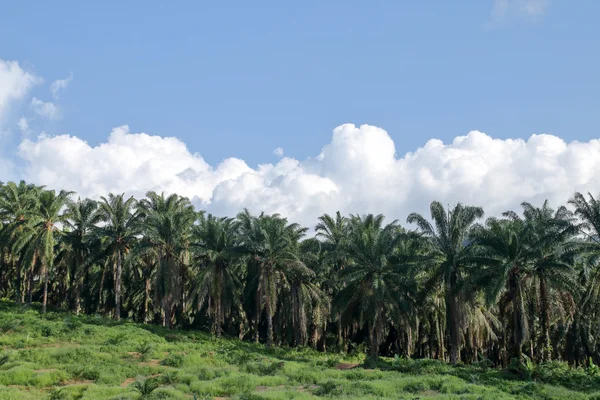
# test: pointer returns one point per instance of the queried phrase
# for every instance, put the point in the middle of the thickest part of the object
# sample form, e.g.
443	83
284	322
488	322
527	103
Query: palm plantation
448	285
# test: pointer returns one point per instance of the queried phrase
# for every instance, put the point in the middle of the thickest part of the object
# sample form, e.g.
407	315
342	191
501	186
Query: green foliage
79	367
174	360
146	386
145	349
4	358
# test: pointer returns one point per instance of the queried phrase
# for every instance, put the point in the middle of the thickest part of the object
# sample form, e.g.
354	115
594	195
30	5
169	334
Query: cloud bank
358	171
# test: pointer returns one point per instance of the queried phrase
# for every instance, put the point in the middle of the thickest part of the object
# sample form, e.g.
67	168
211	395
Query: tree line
456	287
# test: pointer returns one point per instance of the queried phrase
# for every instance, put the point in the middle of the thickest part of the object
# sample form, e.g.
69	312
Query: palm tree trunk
45	299
375	340
18	293
269	322
30	286
545	320
78	297
181	313
219	305
146	299
257	316
101	290
118	287
441	338
218	326
518	316
338	320
452	320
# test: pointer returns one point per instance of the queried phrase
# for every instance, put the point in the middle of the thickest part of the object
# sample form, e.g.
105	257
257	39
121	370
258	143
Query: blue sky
240	79
379	106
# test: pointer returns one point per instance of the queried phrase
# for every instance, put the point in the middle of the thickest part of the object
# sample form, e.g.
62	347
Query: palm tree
304	306
17	203
581	342
334	234
82	221
271	245
517	250
552	269
216	244
167	228
39	241
506	248
118	234
449	241
376	281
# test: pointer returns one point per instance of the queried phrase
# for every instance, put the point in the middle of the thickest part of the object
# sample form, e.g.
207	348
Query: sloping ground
59	356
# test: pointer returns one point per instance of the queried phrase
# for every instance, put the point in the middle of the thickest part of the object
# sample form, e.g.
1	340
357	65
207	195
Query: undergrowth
59	356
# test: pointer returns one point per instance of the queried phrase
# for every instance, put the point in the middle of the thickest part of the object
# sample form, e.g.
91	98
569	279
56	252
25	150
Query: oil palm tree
18	202
505	249
449	241
271	246
217	256
553	257
376	284
81	222
333	232
40	239
581	339
119	232
167	228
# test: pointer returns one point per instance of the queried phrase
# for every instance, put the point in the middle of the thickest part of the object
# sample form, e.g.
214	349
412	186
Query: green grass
59	356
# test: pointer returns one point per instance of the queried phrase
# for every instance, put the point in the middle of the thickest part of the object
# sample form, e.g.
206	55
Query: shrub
328	388
262	368
174	360
47	330
117	339
10	325
4	358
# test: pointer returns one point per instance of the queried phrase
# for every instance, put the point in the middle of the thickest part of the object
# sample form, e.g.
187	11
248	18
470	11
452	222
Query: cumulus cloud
45	109
278	152
357	172
15	83
521	8
60	84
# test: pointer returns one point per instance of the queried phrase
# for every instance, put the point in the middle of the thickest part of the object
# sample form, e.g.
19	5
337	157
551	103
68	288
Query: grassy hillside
60	356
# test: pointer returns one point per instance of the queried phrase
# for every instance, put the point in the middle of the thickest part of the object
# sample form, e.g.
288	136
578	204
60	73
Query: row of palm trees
456	288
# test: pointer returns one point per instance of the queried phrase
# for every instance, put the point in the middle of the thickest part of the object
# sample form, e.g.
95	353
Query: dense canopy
450	285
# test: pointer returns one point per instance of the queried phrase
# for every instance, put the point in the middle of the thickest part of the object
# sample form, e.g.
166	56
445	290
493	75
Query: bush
328	388
47	331
262	368
174	360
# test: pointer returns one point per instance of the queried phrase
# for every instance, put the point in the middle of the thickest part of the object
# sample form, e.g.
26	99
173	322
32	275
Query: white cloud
518	8
357	172
45	109
23	124
60	84
15	83
278	152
